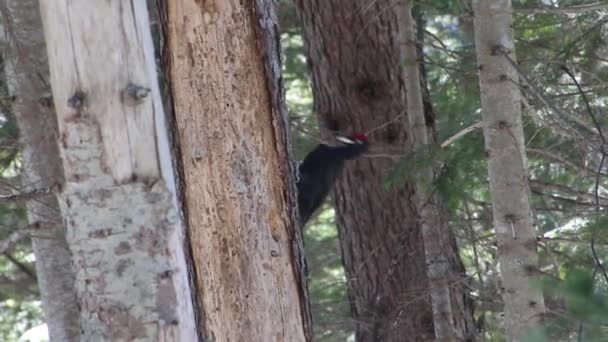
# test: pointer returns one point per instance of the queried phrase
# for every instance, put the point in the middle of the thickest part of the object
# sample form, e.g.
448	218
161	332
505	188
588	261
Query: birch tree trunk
354	49
119	199
507	166
26	68
232	125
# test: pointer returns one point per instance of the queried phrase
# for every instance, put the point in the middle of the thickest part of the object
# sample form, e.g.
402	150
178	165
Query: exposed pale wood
238	179
119	201
107	38
507	167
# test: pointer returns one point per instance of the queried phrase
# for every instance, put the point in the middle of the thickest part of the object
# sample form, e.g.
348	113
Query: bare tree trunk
429	208
27	80
507	166
239	183
354	48
119	199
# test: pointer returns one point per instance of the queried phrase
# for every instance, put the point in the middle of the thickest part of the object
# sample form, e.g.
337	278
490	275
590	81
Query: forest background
562	63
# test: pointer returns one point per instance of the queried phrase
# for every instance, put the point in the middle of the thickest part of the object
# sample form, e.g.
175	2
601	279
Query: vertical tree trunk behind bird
353	48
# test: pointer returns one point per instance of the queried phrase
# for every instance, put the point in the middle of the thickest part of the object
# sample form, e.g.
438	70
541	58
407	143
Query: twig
560	159
19	234
564	10
562	240
534	90
21	266
8	243
384	124
593	118
443	46
383	155
557	188
382	11
598	262
462	133
29	195
565	51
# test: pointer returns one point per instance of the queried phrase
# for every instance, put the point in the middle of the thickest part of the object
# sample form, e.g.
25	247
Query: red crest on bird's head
359	136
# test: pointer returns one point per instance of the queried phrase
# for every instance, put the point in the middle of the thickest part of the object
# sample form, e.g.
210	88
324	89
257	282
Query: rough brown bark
232	128
119	198
507	166
27	79
353	48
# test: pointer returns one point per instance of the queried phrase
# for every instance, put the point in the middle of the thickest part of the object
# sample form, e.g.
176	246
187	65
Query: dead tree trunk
118	201
239	185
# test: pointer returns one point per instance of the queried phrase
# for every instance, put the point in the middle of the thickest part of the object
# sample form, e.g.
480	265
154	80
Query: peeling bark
119	199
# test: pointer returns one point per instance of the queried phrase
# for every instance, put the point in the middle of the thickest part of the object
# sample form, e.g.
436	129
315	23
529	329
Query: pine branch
29	195
596	123
8	243
578	9
20	234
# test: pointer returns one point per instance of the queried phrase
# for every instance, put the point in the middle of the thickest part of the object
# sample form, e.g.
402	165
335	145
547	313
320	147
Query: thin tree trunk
27	79
119	201
239	183
507	166
354	49
438	267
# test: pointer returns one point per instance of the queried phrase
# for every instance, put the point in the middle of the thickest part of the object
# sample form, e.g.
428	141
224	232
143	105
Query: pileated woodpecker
321	167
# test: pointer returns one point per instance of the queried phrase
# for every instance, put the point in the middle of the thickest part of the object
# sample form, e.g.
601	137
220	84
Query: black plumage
321	168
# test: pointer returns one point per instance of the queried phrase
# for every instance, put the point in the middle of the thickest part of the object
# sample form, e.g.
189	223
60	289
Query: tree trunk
353	48
239	183
507	166
27	79
435	231
119	198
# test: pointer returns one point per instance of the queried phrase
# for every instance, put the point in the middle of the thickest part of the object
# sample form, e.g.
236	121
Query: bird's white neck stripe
344	140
